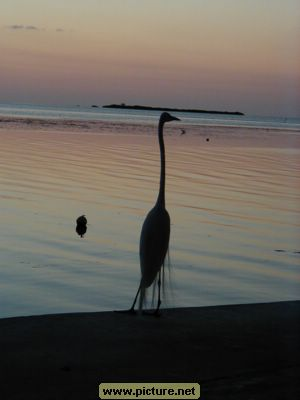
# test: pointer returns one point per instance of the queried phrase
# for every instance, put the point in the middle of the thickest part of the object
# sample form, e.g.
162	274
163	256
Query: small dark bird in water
207	139
182	131
81	227
81	220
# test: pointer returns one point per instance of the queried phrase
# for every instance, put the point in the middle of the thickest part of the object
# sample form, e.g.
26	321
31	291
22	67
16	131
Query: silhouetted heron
155	234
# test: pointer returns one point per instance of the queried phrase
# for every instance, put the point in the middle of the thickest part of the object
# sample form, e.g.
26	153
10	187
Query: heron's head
166	117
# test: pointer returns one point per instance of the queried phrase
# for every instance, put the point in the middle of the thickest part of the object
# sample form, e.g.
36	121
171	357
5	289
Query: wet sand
234	352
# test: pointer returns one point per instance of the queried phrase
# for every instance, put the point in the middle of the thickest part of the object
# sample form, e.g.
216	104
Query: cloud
15	27
31	28
20	27
23	27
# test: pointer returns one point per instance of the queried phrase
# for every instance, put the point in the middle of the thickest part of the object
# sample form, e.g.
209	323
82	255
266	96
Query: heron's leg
131	309
135	299
156	312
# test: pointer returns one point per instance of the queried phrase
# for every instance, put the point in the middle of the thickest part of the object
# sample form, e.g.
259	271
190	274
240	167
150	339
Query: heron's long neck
161	194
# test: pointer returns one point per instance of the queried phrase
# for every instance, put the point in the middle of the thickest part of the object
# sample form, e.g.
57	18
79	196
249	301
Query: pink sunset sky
223	54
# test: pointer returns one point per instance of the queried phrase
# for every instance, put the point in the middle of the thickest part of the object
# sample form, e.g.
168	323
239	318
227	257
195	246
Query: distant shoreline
189	110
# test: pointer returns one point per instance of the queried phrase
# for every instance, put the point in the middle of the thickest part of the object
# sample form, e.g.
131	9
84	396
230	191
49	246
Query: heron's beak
175	118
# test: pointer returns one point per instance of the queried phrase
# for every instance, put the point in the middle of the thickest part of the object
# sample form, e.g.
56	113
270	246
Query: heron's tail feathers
166	275
161	283
163	279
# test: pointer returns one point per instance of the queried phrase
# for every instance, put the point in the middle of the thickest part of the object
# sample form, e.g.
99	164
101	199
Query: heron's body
154	243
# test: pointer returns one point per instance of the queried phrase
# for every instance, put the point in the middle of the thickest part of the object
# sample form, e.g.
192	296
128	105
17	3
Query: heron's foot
131	311
157	312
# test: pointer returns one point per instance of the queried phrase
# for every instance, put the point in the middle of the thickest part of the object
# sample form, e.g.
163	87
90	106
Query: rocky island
189	110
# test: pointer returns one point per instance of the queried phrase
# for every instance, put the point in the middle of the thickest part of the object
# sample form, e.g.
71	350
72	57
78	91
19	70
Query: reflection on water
231	208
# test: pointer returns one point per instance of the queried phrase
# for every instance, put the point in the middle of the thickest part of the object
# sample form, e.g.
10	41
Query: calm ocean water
233	200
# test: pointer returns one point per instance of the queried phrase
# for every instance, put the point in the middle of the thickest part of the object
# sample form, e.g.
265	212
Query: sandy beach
234	352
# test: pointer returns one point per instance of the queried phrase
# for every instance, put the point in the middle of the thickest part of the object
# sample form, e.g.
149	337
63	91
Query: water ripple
230	208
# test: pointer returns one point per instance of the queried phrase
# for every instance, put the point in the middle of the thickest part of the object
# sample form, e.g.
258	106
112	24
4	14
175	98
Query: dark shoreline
188	110
235	352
